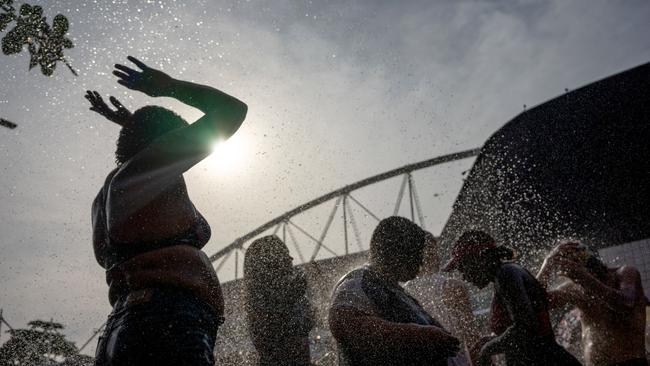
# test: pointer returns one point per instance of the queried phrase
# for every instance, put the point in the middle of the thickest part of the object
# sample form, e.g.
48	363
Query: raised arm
621	299
153	170
510	286
568	293
555	256
182	148
224	113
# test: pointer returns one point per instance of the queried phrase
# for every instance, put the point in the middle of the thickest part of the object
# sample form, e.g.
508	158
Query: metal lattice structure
284	226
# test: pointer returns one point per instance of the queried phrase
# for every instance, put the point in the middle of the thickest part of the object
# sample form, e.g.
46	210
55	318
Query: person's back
538	347
611	337
536	295
279	328
278	312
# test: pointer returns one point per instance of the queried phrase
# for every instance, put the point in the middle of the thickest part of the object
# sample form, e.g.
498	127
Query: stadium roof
577	165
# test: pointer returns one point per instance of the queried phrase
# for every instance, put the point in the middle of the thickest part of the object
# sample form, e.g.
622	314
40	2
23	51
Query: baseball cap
470	243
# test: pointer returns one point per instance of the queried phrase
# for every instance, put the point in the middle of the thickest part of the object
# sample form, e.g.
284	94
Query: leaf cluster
42	343
45	43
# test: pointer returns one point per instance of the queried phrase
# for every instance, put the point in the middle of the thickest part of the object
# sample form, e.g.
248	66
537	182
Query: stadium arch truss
285	227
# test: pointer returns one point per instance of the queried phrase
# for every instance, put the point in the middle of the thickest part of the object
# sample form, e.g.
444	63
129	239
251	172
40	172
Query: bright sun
227	156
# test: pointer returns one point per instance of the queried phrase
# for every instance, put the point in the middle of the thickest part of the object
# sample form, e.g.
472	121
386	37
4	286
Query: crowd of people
375	321
401	308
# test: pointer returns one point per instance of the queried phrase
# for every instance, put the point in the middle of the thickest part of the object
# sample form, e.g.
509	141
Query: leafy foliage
40	344
45	43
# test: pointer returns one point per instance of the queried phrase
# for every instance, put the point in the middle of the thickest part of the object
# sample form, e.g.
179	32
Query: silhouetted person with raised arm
278	311
519	315
147	234
372	318
611	302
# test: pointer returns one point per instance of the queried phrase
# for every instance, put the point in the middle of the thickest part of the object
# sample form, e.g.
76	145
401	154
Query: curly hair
395	239
149	123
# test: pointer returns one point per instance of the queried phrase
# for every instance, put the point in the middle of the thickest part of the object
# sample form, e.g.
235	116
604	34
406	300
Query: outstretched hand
121	115
150	81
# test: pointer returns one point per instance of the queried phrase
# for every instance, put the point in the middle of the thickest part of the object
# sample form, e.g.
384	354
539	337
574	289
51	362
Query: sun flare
227	155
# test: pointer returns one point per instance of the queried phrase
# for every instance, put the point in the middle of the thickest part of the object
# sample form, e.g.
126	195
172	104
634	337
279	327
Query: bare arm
524	320
568	293
549	267
369	333
157	166
621	299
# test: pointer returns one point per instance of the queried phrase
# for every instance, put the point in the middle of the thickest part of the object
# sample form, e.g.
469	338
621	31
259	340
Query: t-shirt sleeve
350	295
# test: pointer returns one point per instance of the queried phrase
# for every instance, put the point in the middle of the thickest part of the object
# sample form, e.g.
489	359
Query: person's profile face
410	266
472	268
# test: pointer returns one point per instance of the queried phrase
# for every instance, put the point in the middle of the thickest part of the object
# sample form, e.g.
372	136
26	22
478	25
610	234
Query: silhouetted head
431	262
268	271
396	248
476	256
147	124
267	254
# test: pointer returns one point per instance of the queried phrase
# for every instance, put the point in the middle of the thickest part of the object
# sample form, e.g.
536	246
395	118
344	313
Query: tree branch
74	72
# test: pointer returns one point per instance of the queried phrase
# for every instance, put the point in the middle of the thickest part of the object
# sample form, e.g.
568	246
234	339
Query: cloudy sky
337	91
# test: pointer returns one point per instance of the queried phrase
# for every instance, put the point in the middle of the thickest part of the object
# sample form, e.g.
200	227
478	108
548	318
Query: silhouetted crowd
429	321
168	304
